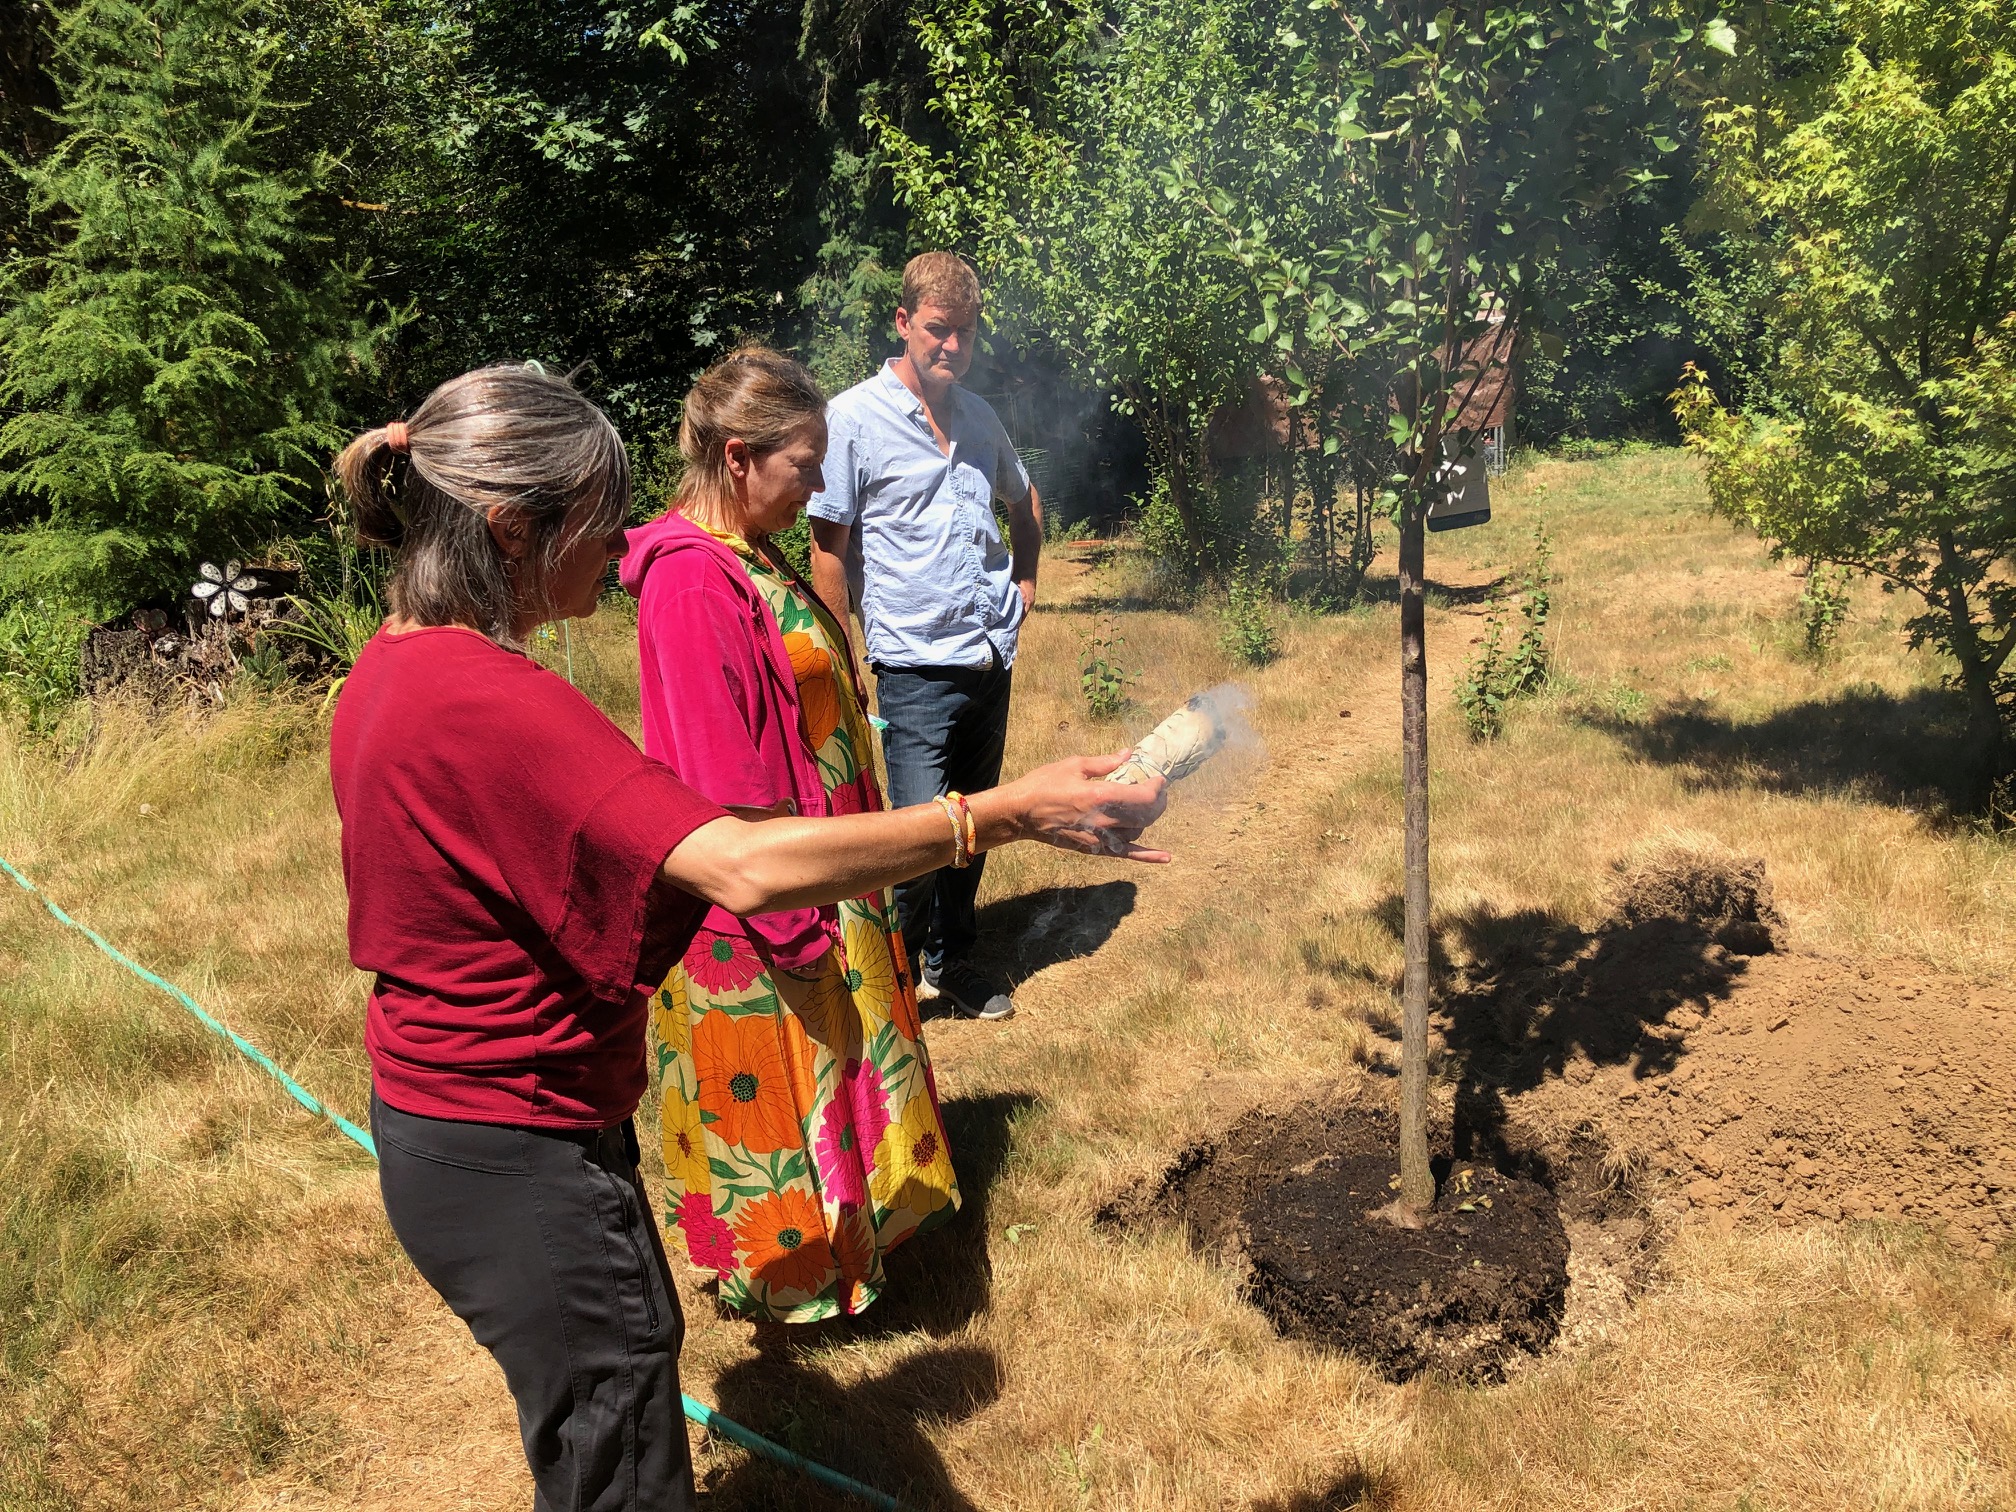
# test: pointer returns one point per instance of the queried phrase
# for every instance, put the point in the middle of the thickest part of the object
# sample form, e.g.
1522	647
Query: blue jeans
947	728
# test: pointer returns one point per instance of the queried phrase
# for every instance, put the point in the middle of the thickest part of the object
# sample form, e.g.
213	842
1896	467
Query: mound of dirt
1779	1087
1830	1088
1726	897
1286	1198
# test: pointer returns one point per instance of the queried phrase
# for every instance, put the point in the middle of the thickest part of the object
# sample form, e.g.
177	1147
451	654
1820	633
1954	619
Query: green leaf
1720	35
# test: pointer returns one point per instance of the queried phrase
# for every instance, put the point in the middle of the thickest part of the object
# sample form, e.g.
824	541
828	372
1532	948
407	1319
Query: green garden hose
698	1411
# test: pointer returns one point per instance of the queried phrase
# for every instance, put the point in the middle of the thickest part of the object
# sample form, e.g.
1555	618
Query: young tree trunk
1417	1181
1171	439
1322	496
1185	506
1986	757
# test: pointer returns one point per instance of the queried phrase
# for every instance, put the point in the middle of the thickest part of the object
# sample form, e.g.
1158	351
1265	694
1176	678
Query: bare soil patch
1287	1198
1765	1085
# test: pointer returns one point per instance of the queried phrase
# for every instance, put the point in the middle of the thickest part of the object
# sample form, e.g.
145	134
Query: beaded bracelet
961	856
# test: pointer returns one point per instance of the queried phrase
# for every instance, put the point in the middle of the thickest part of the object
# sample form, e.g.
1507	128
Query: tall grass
202	1306
142	1164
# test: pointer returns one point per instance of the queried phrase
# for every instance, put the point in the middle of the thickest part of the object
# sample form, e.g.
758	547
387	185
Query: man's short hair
944	279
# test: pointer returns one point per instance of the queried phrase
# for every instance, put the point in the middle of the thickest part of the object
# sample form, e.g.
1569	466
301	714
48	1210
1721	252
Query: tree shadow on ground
1386	590
1124	603
1543	998
936	1283
1908	750
1021	936
871	1431
1540	998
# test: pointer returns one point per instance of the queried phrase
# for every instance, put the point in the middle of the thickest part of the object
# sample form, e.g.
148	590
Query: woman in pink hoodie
800	1122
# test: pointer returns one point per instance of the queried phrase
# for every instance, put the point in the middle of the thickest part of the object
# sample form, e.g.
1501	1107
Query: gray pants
543	1243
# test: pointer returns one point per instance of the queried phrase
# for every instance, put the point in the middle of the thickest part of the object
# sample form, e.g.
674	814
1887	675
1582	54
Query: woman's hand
1066	805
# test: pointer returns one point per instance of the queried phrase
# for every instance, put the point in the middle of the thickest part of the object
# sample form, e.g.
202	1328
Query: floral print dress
799	1117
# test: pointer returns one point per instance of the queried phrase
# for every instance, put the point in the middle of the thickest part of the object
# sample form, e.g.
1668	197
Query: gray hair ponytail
514	436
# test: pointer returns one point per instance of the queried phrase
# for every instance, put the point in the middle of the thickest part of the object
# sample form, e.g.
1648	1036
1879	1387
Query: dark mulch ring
1286	1197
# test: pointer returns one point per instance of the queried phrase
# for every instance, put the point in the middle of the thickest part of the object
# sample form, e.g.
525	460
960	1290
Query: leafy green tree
629	185
1059	120
865	67
1873	196
1625	318
174	361
1434	164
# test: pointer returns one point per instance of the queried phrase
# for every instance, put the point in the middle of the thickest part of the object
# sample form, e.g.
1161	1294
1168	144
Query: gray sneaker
970	994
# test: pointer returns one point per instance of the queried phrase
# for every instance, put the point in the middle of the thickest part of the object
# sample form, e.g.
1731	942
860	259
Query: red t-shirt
501	842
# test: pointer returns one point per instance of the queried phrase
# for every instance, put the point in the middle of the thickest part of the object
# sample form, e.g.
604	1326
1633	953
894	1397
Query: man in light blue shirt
905	530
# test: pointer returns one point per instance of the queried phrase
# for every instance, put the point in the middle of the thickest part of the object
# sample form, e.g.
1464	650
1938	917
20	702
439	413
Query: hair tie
396	437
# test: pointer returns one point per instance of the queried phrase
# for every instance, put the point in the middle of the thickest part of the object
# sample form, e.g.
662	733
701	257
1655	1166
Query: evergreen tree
25	98
173	363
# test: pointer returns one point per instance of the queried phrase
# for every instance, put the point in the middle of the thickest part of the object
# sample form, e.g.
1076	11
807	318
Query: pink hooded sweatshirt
720	704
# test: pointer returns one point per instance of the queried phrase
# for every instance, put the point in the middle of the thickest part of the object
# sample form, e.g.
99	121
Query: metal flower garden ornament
224	591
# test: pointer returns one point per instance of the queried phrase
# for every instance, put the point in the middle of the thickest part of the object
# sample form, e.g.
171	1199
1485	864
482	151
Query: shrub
1495	677
1102	678
336	623
40	652
1250	636
171	367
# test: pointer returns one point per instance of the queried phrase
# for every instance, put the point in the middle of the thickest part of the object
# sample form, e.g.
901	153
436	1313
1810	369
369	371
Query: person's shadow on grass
1356	1487
934	1284
869	1431
1021	936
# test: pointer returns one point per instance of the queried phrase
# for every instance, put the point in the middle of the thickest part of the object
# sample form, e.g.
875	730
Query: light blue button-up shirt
925	558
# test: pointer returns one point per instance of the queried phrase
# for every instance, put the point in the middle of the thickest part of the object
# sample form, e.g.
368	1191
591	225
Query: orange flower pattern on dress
782	1238
762	1064
744	1082
799	1062
903	1005
818	697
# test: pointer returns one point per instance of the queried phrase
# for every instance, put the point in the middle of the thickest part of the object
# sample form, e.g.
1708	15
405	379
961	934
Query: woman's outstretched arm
757	867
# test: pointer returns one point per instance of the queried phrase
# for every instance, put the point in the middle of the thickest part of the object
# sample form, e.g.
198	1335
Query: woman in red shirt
520	876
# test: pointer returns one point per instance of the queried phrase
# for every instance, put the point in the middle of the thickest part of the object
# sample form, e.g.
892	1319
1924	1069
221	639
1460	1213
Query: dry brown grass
221	1319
